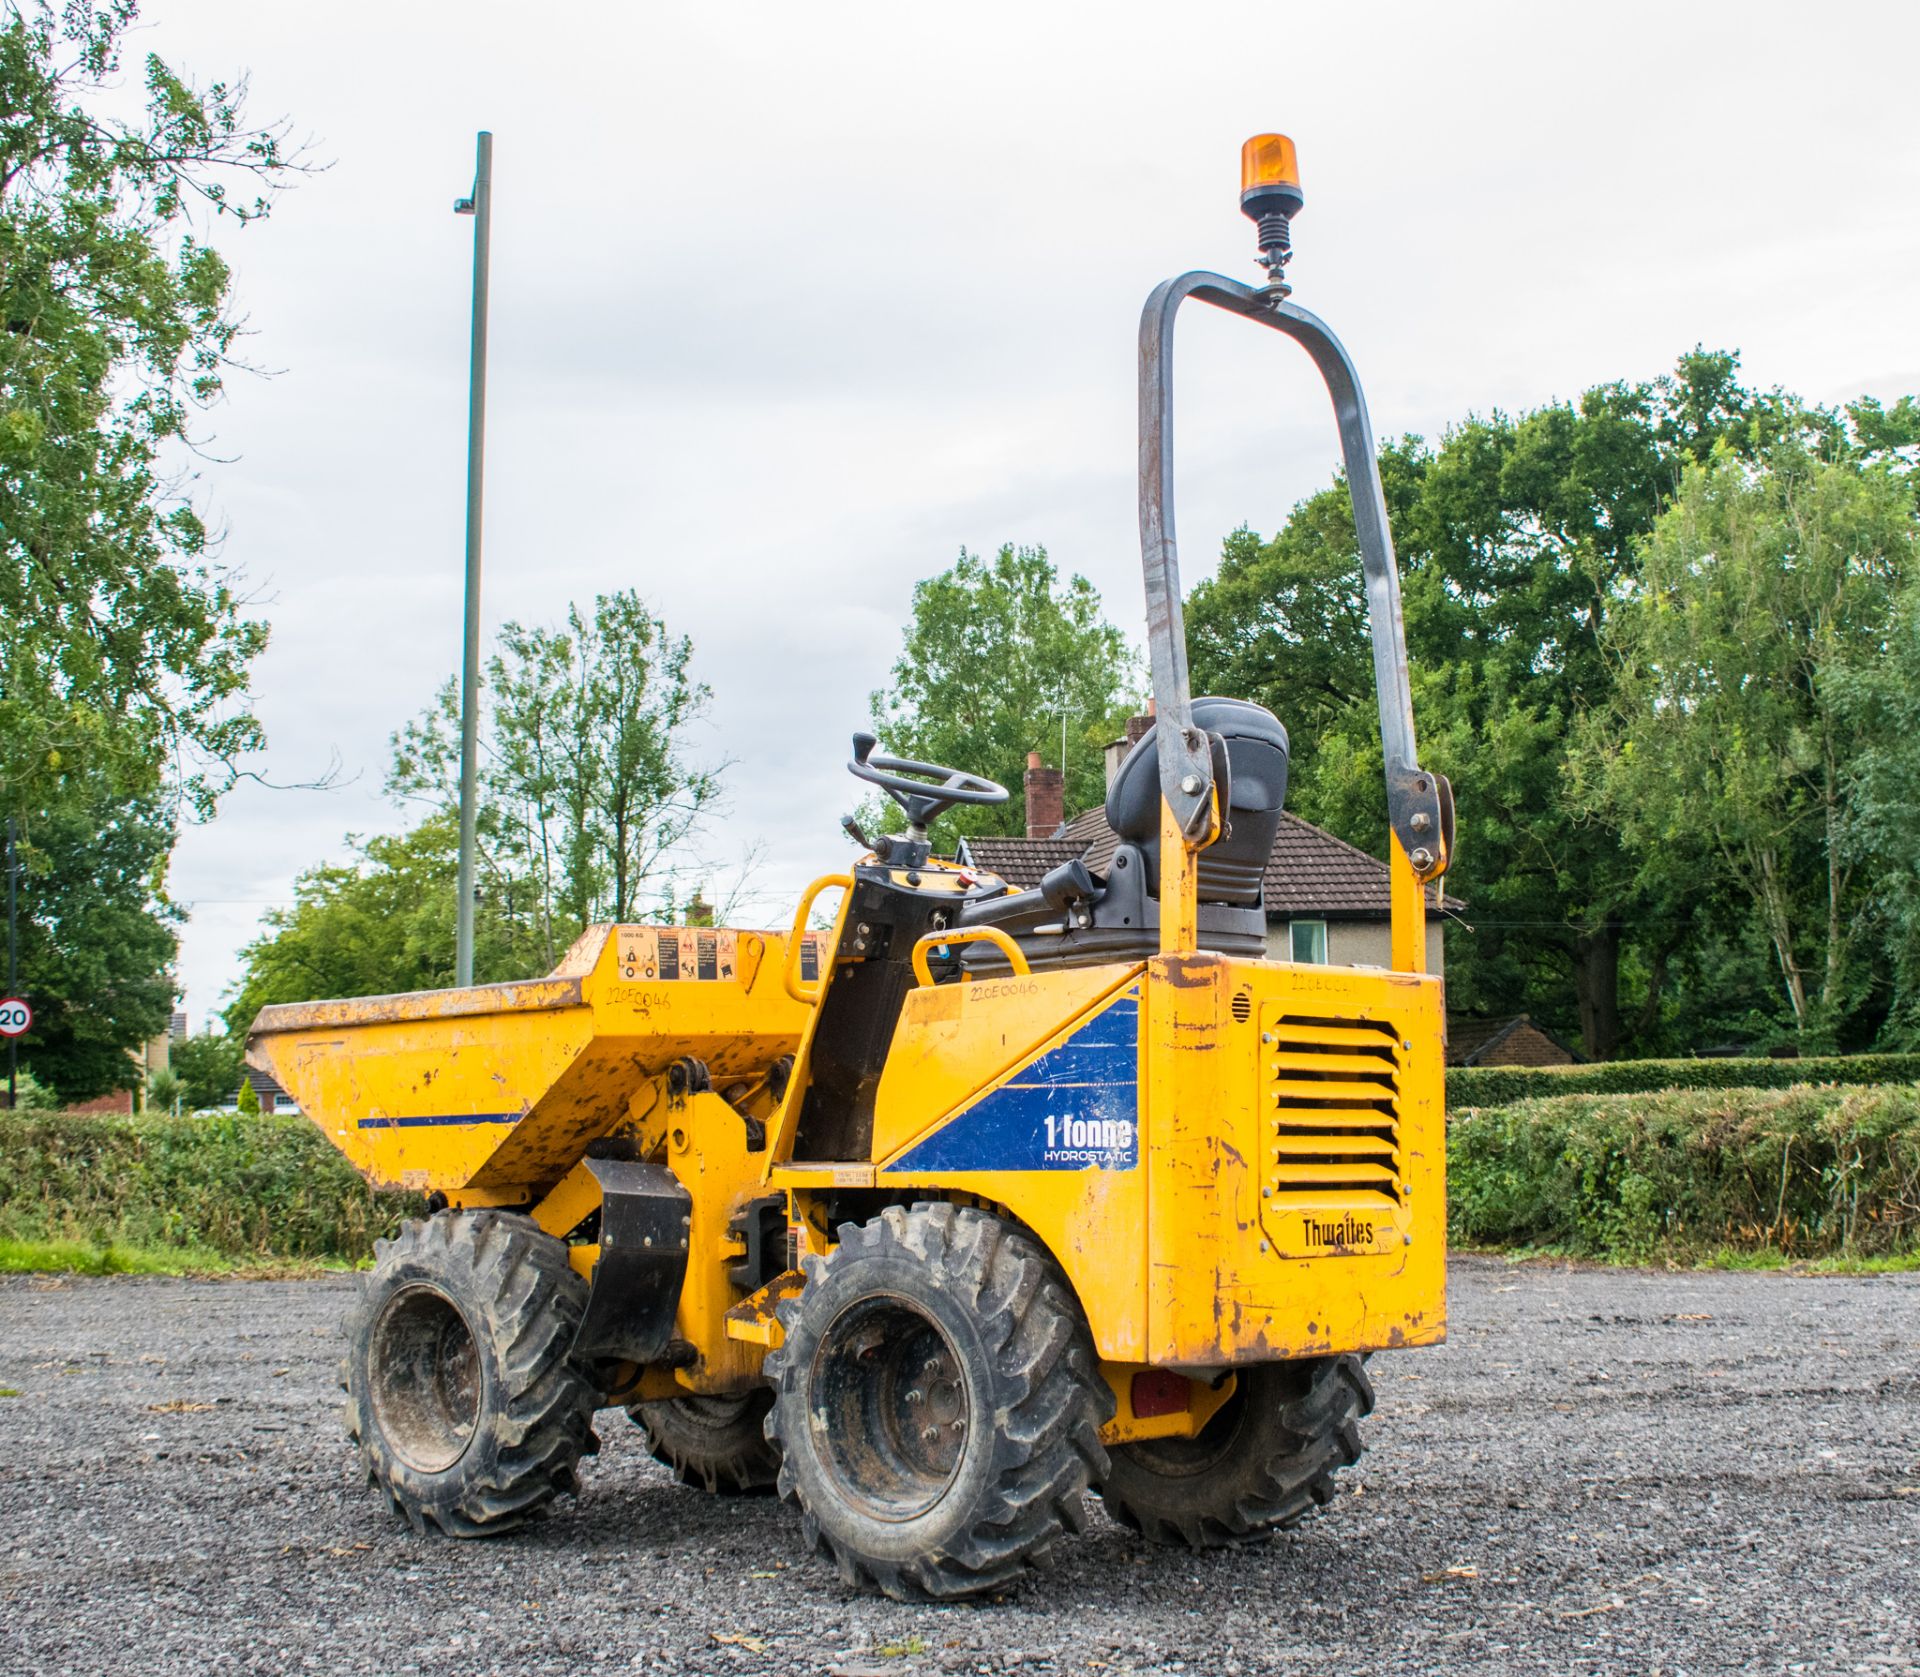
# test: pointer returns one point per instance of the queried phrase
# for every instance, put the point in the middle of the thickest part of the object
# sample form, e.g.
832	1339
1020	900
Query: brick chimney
1138	727
1046	798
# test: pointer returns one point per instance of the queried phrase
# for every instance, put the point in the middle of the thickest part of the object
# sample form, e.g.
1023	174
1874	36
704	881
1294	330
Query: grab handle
797	941
968	934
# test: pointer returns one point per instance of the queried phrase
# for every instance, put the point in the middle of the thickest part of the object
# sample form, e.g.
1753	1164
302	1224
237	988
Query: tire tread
1047	1451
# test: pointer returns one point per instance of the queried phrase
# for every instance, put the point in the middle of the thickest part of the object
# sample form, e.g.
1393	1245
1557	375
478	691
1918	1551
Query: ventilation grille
1242	1006
1333	1109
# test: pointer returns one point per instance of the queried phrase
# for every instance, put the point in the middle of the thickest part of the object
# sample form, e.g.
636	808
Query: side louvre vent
1332	1111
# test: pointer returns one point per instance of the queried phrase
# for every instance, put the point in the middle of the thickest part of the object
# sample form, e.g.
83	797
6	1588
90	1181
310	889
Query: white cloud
792	302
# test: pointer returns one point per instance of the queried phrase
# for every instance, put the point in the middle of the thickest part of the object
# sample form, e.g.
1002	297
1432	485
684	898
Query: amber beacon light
1270	197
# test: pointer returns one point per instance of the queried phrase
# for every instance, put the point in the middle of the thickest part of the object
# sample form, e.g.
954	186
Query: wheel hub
890	1410
423	1375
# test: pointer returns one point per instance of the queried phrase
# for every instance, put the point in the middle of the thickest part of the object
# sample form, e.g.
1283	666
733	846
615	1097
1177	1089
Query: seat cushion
1232	867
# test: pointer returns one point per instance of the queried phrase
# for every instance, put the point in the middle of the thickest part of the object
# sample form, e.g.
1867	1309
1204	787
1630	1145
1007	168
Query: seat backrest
1233	866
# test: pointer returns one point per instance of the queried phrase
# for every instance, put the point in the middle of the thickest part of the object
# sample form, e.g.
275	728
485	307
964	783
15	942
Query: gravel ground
1603	1471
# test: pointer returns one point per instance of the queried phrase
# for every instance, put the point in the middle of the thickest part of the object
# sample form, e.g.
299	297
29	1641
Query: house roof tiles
1510	1041
1309	873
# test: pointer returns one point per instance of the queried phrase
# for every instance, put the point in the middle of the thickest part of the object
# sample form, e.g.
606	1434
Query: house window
1309	941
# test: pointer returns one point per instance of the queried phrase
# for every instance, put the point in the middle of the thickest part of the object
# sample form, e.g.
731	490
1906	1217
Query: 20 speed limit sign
16	1018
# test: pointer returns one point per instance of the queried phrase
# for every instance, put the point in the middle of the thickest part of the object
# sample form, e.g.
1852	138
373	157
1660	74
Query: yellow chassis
1197	1236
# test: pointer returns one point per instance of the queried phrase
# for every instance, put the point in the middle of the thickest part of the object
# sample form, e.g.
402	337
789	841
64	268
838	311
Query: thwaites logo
1349	1231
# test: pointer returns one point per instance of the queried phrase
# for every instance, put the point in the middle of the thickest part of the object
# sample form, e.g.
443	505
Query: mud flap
645	1217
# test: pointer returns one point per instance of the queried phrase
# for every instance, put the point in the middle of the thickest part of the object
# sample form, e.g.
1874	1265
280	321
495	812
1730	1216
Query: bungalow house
271	1096
1513	1041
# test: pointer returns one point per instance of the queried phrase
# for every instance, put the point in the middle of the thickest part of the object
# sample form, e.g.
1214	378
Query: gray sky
792	302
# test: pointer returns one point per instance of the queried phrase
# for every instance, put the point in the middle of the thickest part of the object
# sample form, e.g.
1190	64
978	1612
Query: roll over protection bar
1420	804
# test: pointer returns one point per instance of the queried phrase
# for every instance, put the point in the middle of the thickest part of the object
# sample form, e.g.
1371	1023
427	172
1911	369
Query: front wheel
1262	1463
937	1404
461	1393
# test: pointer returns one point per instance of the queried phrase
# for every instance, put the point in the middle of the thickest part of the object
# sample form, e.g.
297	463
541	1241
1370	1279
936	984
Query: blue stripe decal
1075	1107
442	1118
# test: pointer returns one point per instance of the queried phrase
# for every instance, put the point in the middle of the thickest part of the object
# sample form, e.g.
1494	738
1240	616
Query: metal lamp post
480	207
13	965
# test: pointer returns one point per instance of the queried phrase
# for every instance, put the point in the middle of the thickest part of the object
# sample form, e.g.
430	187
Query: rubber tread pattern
536	1415
1298	1427
1042	1378
723	1457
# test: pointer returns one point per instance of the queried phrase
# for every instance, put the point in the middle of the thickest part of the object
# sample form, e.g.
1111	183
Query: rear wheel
715	1444
1262	1463
937	1404
460	1394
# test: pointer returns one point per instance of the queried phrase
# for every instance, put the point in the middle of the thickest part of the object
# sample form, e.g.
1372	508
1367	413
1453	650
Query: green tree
249	1101
379	924
208	1067
125	641
1880	700
31	1095
590	801
1760	589
996	651
1516	538
97	937
589	791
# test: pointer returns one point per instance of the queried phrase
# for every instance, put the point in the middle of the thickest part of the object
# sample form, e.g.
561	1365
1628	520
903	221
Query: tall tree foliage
207	1068
591	798
380	923
97	939
1762	590
124	641
121	634
1523	543
589	787
1515	537
996	652
1881	699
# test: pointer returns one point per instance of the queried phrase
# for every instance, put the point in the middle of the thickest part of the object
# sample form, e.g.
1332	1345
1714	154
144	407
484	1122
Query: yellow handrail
790	974
968	934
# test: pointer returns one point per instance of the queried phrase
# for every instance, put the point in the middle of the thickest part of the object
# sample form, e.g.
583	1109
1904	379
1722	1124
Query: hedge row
1809	1172
241	1186
1503	1085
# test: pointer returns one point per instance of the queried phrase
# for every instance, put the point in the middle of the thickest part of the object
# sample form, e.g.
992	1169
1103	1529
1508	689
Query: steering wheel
923	790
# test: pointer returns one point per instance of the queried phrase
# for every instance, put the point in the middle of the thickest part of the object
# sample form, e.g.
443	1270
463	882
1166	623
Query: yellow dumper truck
983	1199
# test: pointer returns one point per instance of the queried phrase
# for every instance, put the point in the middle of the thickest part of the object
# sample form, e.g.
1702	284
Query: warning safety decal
672	952
665	954
1075	1107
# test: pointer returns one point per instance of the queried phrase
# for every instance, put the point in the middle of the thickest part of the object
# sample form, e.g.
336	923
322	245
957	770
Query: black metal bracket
646	1218
761	1225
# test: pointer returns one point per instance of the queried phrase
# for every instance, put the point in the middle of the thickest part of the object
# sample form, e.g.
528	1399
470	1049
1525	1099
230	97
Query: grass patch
1838	1263
78	1257
1690	1176
1764	1260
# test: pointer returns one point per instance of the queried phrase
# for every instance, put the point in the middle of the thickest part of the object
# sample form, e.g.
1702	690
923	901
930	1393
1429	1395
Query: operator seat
1078	916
